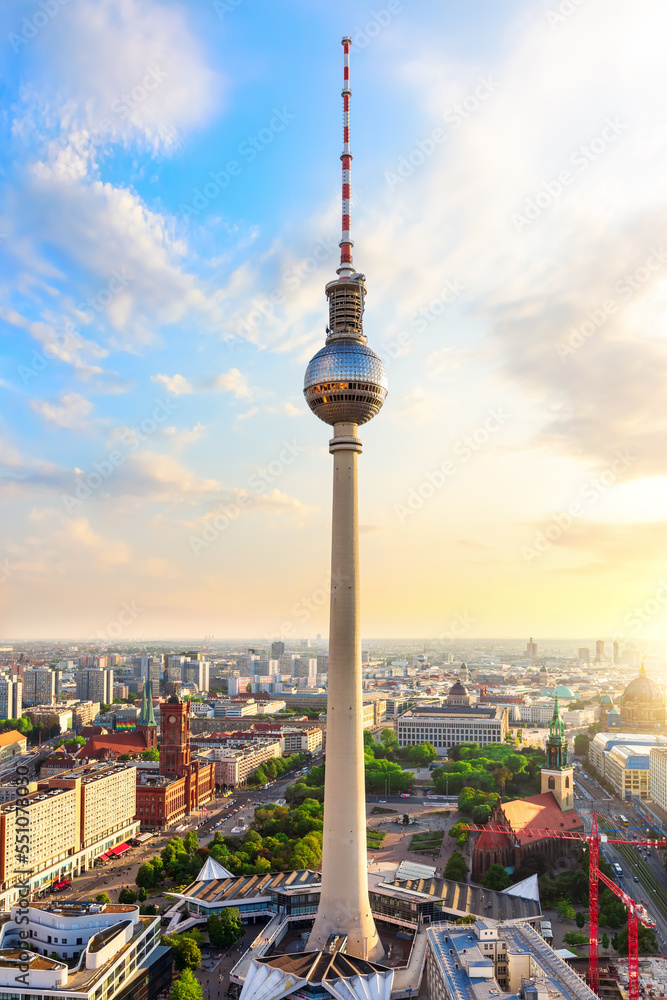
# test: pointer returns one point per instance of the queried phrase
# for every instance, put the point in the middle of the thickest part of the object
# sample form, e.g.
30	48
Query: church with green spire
146	724
557	776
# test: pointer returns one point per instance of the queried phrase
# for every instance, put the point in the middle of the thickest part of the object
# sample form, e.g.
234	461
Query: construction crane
636	915
593	839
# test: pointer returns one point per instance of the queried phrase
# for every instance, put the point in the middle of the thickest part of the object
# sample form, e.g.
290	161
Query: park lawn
377	810
426	841
375	837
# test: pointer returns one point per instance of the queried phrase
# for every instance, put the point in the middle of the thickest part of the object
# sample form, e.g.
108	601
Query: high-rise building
600	654
95	685
617	652
584	655
531	648
345	385
277	649
11	698
41	686
305	666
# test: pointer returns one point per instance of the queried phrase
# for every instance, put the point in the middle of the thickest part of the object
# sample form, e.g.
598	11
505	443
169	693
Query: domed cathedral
643	706
459	695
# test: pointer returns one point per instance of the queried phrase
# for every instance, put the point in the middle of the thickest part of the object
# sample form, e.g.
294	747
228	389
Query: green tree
575	938
580	919
422	754
224	928
581	745
185	987
565	909
647	944
147	876
103	897
142	895
496	878
153	754
186	951
191	842
456	869
389	739
127	896
605	941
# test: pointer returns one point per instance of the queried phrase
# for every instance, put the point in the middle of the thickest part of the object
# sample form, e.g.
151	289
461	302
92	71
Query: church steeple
557	776
142	717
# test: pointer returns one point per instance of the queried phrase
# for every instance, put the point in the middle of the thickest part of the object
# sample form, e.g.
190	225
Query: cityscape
375	715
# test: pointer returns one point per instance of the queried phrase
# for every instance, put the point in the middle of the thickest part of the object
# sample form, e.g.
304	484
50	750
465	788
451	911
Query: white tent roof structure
211	871
527	889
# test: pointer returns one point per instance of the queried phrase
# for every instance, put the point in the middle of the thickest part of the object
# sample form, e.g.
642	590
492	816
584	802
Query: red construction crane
636	914
593	839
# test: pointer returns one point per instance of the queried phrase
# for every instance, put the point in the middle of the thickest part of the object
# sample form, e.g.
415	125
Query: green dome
563	692
606	700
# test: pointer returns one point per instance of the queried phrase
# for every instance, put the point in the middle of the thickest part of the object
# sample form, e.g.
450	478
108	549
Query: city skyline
168	170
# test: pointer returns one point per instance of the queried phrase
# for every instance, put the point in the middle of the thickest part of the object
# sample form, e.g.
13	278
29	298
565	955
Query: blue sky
167	168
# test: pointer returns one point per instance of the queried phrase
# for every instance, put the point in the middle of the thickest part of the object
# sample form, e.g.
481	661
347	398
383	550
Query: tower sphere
345	383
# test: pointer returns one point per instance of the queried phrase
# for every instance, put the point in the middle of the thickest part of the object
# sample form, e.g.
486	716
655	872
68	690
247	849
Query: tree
142	895
127	896
224	928
647	944
389	739
186	951
147	876
605	941
581	745
575	938
580	919
186	987
103	897
191	842
496	878
565	909
153	754
456	869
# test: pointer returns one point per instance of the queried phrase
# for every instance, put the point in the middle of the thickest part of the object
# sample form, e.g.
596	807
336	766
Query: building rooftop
467	967
459	898
13	736
241	887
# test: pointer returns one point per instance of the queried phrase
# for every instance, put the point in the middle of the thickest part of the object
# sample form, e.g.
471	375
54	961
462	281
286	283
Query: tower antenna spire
346	267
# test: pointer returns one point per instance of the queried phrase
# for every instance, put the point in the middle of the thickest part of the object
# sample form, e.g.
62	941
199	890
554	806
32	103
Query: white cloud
232	381
176	384
71	411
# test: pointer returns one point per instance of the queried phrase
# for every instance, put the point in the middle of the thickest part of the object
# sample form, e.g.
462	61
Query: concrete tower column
345	907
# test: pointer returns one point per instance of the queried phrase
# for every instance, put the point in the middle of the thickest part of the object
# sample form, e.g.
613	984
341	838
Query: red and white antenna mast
346	268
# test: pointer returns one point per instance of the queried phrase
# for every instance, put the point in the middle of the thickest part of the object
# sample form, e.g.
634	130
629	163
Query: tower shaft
344	904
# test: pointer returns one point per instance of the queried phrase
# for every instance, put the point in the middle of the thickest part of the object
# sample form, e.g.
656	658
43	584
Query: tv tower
345	385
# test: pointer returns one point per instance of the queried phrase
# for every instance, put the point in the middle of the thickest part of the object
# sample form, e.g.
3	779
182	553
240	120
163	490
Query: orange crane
636	913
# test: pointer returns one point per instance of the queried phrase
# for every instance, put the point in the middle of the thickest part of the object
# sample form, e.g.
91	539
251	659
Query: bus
623	819
617	869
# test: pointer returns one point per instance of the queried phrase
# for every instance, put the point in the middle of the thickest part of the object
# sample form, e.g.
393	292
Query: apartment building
50	716
12	744
41	686
11	698
70	820
236	760
95	685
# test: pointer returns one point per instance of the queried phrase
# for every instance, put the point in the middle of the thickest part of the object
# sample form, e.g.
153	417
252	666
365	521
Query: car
635	878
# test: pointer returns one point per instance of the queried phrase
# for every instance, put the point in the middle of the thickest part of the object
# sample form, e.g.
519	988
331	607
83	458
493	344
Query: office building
584	655
277	650
236	760
658	775
600	654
